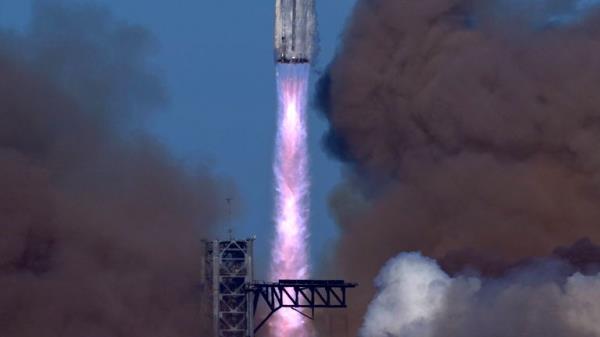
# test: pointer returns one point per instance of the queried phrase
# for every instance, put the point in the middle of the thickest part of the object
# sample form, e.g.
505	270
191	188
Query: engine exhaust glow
289	251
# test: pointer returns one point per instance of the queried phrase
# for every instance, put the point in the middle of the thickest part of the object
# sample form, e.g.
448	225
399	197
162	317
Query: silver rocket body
294	31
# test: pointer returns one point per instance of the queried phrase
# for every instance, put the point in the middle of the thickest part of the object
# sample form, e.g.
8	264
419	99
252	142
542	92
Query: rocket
294	31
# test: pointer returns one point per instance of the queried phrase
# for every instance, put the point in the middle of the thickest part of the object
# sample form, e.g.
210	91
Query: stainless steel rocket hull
294	30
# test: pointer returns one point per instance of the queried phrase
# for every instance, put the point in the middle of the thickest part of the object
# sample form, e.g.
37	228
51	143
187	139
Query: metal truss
298	295
229	269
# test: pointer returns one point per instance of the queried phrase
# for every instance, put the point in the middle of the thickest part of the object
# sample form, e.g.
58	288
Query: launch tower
235	296
228	269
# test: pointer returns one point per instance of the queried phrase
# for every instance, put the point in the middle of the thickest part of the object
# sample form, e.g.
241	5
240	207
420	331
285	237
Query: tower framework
229	267
235	296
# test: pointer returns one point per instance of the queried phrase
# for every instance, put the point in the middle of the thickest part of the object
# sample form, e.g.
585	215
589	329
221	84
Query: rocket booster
294	30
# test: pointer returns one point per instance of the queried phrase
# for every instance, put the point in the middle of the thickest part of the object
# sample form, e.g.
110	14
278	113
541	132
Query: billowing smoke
99	226
416	298
470	129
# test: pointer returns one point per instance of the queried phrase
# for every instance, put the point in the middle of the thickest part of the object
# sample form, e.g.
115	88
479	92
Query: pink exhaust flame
290	257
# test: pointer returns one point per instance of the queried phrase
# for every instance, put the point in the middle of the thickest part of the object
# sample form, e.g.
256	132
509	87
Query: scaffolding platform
298	295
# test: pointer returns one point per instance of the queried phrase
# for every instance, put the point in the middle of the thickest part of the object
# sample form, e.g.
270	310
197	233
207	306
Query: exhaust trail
294	46
290	251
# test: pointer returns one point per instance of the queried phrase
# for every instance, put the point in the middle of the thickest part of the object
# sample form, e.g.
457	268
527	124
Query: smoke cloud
416	298
99	226
470	130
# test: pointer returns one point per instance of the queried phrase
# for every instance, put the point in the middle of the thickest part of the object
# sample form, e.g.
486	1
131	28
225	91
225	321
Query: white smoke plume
416	298
413	286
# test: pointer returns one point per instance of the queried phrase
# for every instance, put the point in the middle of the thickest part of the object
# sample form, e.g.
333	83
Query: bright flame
290	258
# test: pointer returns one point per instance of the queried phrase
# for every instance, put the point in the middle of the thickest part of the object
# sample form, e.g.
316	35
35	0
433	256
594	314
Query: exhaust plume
99	226
294	42
290	251
470	131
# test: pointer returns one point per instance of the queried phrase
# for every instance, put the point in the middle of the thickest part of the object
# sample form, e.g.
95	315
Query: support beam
297	295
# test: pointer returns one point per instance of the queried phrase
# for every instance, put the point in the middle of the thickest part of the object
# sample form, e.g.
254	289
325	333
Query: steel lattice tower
229	267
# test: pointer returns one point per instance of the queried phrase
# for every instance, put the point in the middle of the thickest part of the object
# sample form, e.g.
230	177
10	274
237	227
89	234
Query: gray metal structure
228	268
298	295
295	27
235	296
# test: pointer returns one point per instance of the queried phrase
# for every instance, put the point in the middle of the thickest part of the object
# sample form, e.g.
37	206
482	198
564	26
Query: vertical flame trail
289	254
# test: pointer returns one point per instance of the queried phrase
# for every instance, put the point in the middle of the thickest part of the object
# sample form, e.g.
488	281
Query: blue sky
541	14
216	58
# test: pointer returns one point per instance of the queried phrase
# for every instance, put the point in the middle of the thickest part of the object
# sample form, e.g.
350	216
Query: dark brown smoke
470	136
99	227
